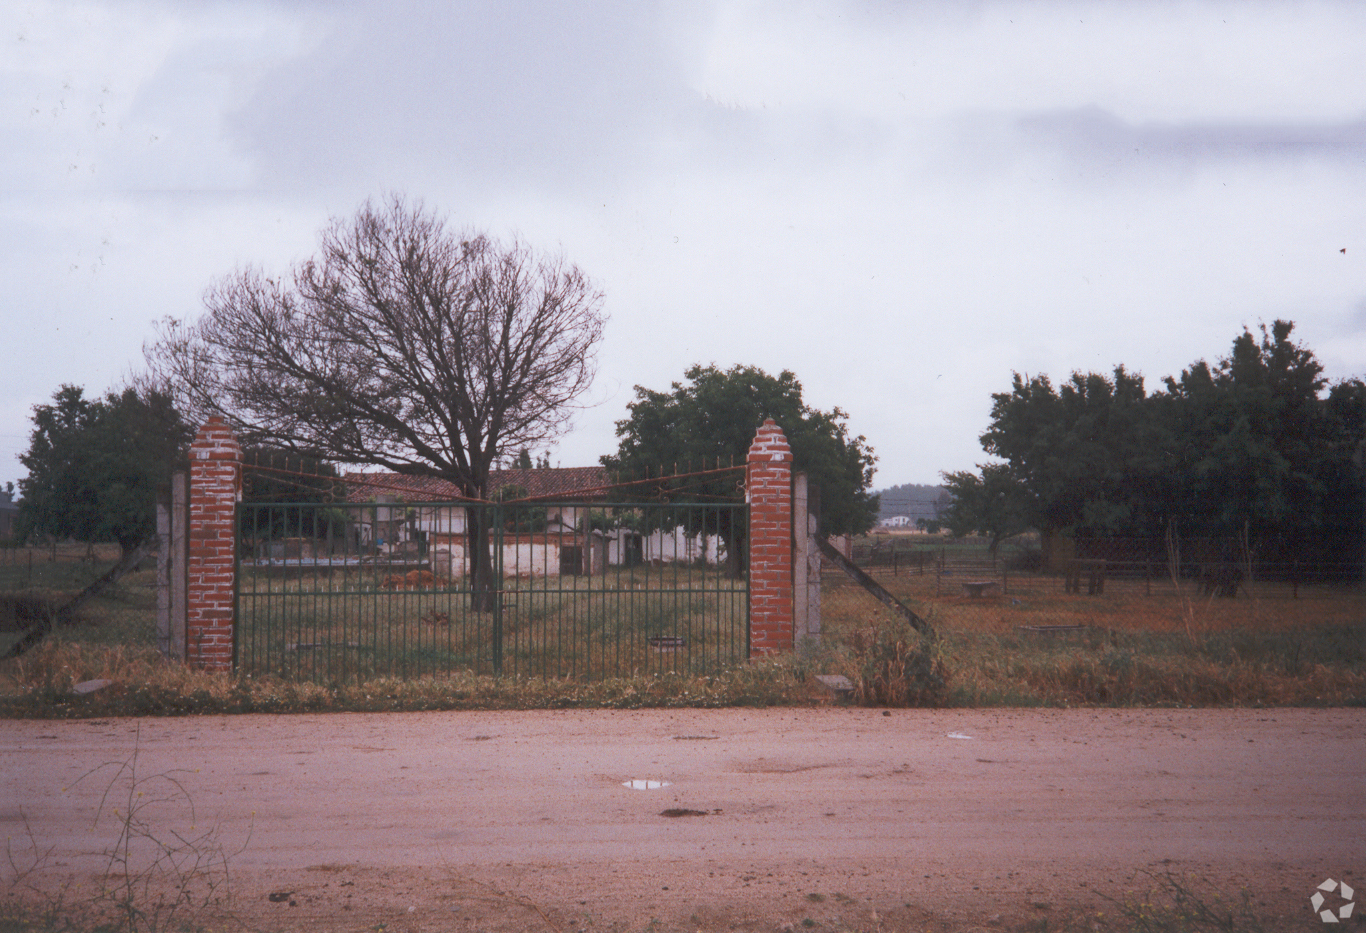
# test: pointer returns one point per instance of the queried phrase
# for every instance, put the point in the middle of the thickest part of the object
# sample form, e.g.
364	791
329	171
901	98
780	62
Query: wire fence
54	565
963	584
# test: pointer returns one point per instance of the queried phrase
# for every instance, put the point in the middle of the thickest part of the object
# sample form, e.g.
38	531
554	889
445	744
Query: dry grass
1143	644
115	640
332	628
144	684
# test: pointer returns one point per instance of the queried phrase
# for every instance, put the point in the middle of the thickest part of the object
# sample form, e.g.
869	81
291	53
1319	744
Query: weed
155	877
1138	645
1178	904
891	665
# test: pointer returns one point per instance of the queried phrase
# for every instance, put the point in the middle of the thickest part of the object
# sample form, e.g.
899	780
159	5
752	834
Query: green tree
711	418
94	465
993	503
1082	454
1252	442
290	484
1250	446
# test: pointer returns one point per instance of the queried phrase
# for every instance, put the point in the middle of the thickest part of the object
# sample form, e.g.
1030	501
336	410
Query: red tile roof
568	482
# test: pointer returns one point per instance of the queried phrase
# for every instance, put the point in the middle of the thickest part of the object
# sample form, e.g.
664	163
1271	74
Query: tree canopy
986	503
404	344
94	465
1251	445
712	417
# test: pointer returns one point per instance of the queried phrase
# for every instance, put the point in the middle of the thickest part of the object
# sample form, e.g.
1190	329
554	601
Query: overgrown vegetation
161	872
1136	647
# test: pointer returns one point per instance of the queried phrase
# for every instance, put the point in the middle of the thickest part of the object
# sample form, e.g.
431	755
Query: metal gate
343	591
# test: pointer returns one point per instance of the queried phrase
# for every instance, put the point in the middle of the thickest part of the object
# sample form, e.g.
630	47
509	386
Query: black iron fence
336	591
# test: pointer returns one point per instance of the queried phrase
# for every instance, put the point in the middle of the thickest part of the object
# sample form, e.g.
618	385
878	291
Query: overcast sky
900	202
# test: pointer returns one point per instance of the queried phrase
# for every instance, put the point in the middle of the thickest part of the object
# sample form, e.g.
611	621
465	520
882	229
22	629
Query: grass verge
1133	652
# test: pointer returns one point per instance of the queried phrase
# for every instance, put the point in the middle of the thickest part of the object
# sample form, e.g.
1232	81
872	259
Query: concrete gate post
768	489
215	488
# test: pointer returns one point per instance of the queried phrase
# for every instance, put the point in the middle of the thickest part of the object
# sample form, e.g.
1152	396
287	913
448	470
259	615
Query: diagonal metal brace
856	574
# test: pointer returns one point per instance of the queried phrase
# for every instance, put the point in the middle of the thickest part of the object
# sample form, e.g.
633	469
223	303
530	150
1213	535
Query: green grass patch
333	627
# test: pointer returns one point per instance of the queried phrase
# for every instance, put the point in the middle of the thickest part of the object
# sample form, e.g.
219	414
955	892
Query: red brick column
768	488
215	487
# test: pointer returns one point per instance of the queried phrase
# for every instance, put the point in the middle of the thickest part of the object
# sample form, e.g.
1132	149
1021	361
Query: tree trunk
737	560
477	528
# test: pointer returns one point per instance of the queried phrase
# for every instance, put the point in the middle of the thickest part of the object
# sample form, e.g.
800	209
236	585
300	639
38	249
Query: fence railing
1134	560
54	565
332	591
964	589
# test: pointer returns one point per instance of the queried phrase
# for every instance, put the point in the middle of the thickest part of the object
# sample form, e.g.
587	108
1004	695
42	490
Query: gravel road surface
814	818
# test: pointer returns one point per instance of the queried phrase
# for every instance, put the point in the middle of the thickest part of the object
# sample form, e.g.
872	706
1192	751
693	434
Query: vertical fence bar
236	589
495	562
637	588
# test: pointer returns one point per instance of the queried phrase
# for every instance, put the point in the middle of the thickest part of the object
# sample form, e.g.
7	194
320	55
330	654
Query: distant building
911	503
564	541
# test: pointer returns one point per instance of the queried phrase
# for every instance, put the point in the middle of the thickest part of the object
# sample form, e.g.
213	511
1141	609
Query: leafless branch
402	344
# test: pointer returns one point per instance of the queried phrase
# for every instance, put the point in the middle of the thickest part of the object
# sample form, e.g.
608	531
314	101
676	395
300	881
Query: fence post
215	487
768	489
806	560
172	512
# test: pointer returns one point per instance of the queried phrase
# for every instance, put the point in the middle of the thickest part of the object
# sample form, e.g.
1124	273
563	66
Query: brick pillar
768	489
215	487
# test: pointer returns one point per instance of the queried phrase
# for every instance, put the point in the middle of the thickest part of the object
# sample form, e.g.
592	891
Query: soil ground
821	819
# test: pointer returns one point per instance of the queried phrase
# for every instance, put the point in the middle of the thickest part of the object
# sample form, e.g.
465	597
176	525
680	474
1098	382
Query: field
1029	643
1138	644
1145	637
636	621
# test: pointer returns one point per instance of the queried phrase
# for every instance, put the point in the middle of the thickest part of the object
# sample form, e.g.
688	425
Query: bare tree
402	344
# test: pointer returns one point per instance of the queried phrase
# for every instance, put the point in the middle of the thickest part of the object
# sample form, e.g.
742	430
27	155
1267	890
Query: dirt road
822	818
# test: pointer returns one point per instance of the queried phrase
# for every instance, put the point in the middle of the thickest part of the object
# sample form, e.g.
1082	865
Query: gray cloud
1094	136
491	93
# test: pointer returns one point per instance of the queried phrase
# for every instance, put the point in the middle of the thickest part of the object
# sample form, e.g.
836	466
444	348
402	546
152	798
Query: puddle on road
642	784
957	735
